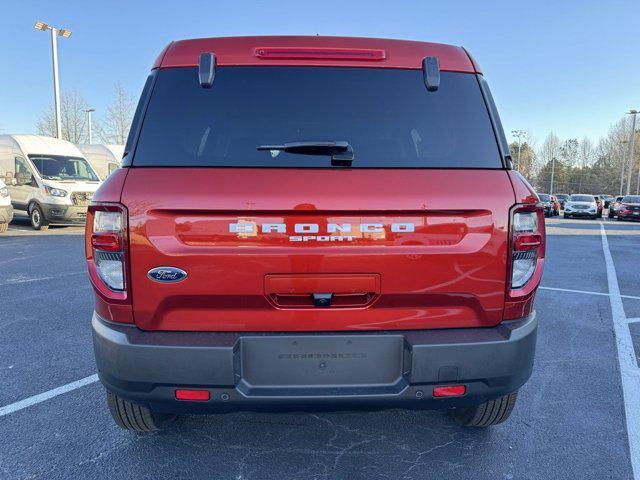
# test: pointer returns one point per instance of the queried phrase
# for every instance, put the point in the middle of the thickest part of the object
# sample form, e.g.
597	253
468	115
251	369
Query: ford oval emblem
167	274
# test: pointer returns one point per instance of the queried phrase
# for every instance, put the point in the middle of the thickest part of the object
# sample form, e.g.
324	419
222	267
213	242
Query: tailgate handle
322	299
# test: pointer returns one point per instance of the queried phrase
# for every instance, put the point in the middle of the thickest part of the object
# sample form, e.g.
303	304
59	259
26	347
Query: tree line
112	127
580	166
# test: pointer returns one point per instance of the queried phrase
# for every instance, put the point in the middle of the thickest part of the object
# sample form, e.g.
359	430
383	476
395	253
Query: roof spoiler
431	72
207	69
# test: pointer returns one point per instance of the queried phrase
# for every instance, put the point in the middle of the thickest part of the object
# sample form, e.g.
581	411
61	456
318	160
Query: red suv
629	208
313	222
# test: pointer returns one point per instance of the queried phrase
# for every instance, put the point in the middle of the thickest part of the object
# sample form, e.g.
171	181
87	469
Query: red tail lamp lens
449	391
193	395
108	242
528	241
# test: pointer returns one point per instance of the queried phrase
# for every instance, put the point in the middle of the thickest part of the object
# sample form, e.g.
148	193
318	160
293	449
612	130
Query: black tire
4	227
38	221
610	213
486	414
135	417
566	215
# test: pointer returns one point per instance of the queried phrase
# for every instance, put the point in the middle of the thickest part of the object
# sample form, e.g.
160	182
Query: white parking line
24	279
587	292
629	371
633	320
41	397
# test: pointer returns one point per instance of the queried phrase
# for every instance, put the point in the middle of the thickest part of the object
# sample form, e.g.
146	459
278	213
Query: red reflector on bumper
193	395
449	391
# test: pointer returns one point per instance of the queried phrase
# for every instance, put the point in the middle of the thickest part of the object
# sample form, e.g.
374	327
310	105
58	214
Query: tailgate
386	249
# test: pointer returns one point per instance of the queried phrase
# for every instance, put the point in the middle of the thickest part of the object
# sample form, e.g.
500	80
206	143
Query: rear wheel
566	215
38	222
131	416
486	414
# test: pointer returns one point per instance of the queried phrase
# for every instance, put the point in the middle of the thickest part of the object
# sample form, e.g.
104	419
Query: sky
565	66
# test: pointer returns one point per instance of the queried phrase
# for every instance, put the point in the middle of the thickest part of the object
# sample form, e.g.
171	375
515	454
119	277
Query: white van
47	178
6	210
104	159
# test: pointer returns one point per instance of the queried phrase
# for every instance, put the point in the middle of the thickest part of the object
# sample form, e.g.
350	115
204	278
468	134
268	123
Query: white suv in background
6	209
580	205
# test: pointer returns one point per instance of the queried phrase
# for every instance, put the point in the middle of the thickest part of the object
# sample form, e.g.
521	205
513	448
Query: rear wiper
341	152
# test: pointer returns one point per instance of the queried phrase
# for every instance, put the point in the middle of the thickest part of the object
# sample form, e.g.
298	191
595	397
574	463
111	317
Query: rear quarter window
387	115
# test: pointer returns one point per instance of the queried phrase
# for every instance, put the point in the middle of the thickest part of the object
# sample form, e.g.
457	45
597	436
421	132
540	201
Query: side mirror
23	179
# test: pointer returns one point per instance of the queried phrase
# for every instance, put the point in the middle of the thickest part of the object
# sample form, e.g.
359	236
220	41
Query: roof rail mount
207	69
431	72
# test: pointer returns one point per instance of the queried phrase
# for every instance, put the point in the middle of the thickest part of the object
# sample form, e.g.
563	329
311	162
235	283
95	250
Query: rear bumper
245	371
64	214
6	213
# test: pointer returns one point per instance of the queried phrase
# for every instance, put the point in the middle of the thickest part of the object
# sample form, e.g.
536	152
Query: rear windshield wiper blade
341	152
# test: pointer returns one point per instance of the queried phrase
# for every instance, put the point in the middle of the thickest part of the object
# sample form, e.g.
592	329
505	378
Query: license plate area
321	365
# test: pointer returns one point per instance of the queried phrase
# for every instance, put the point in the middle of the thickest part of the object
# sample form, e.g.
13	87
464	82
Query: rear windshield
631	199
582	198
387	116
543	197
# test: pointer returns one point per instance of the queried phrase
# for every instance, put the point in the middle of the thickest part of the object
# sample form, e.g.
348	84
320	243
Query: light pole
89	112
624	165
632	147
519	134
63	32
553	171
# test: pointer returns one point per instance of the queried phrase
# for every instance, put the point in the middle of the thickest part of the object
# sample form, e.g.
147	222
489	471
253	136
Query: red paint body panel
449	272
246	51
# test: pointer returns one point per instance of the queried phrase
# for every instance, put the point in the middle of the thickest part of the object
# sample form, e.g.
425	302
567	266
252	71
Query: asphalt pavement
569	422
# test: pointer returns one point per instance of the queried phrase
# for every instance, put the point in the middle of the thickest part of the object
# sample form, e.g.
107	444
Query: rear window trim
491	110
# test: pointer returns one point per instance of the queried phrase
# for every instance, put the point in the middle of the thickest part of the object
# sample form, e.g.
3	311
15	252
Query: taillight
527	245
106	229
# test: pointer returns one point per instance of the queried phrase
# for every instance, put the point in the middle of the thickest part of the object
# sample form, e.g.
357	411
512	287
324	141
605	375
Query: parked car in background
614	205
556	205
6	209
629	208
104	159
599	205
47	178
581	206
562	197
547	204
229	273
